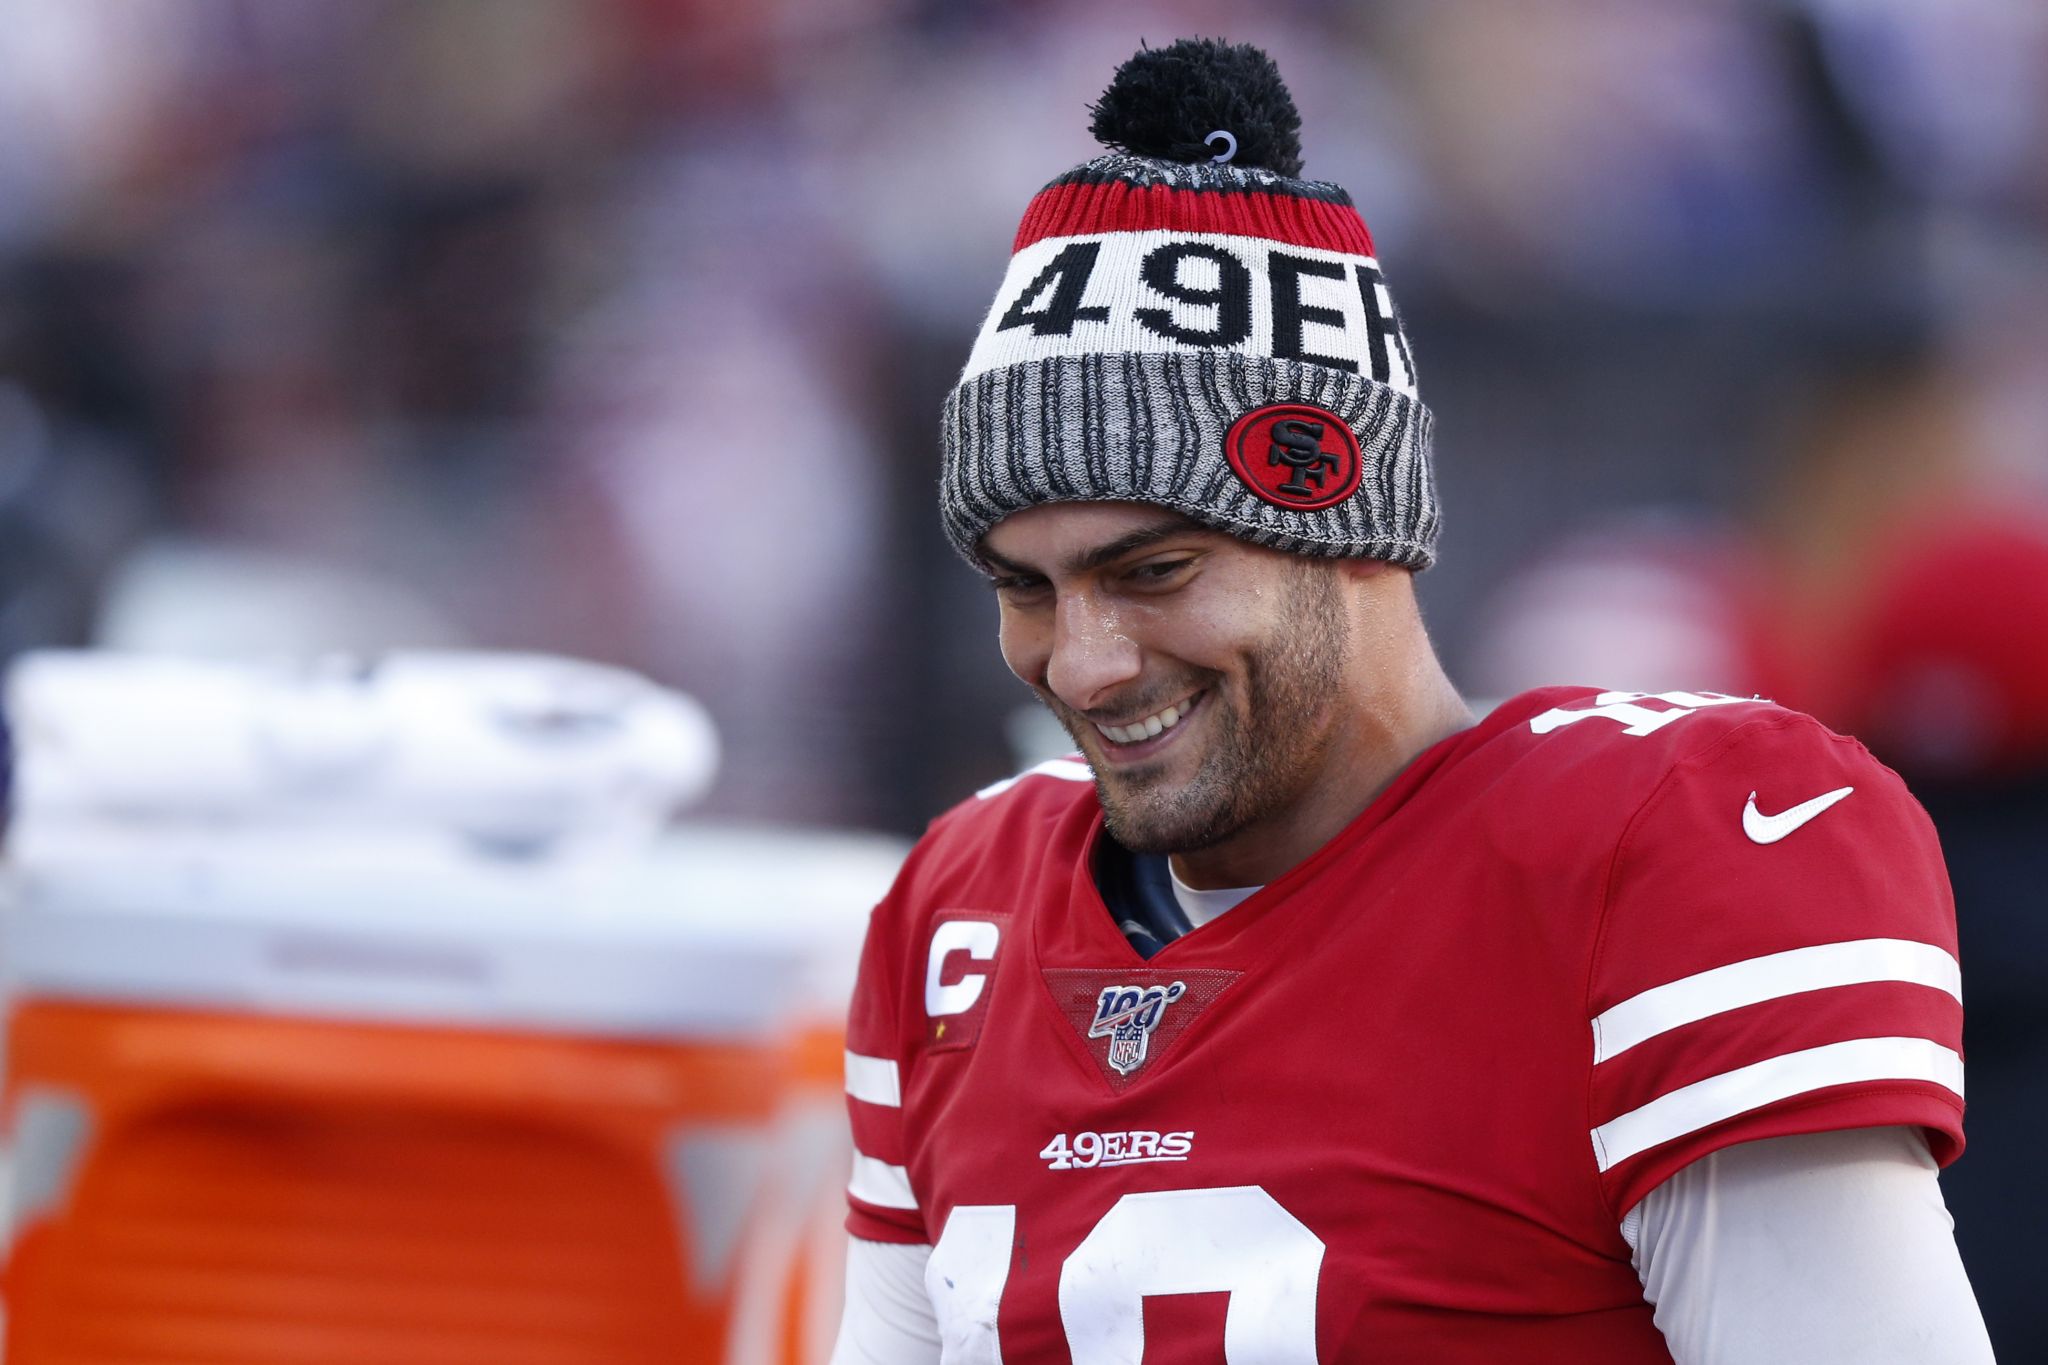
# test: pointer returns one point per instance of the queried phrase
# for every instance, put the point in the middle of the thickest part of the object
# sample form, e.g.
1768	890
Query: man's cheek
1022	653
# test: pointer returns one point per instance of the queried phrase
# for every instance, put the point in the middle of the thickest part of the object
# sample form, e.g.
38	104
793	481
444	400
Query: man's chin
1160	839
1150	783
1145	824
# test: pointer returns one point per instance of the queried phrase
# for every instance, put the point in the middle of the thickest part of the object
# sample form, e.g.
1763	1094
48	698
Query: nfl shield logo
1127	1015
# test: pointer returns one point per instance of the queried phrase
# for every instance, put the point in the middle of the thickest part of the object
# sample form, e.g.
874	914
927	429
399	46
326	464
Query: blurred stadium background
617	330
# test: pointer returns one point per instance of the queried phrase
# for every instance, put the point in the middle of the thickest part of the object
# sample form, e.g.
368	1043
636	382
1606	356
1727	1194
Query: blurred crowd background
618	329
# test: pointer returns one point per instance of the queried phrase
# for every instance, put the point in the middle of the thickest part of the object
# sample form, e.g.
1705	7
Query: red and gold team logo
1295	456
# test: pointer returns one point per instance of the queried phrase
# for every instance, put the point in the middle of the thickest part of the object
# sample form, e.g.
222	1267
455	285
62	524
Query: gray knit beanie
1186	322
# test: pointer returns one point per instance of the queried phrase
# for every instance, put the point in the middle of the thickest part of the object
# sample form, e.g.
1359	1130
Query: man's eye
1159	570
1016	585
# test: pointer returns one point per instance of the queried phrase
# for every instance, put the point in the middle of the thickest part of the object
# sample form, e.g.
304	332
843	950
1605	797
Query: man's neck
1372	749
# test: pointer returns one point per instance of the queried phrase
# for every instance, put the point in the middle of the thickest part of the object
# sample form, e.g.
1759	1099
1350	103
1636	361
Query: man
1309	1019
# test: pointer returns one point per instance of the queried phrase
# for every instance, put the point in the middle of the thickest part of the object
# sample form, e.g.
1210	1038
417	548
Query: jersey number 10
1235	1240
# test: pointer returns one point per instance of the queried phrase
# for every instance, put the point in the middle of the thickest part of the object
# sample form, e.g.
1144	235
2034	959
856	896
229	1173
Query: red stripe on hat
1116	206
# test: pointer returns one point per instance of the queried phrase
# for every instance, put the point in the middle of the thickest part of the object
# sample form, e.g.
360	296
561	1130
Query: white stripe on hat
1117	310
873	1079
1771	977
879	1183
1693	1107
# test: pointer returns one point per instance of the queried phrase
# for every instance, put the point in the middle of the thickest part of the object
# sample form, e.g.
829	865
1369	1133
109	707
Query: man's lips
1146	735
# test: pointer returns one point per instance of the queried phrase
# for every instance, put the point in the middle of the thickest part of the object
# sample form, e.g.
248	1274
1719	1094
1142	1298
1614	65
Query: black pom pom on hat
1166	103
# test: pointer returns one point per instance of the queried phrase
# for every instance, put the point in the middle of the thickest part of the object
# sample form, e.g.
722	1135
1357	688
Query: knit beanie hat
1188	323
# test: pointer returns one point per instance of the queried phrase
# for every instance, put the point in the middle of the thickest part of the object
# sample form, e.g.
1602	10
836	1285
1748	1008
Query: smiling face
1202	676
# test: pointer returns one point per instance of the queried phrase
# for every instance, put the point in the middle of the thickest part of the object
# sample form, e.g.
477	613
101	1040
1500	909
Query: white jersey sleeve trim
874	1079
1692	1107
880	1184
1066	769
1825	1248
1771	977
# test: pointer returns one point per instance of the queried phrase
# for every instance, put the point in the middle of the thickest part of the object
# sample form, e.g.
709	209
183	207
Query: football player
1304	1017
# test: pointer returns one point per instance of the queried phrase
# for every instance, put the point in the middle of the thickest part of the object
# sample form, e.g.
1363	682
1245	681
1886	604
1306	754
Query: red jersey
1395	1105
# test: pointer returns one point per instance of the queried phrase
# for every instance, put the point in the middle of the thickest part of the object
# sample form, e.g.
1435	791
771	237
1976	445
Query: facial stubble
1262	749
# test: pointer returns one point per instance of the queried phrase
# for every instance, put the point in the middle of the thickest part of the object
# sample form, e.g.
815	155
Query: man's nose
1092	653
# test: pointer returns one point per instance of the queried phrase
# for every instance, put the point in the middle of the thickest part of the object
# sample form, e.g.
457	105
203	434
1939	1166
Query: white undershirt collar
1202	906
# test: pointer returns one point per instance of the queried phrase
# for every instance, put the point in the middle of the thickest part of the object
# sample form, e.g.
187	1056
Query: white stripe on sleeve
1771	977
1066	769
1693	1107
879	1183
873	1079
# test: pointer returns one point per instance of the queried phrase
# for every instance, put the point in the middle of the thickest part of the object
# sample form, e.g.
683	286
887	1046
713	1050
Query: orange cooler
788	1286
301	1101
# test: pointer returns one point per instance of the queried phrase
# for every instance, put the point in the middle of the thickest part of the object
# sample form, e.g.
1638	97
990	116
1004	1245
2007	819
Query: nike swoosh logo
1768	829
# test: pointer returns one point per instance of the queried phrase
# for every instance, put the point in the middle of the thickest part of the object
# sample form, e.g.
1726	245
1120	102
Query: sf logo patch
1127	1016
1295	456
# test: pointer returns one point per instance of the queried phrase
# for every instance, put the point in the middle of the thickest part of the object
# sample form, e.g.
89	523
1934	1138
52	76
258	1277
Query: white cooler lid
502	751
716	933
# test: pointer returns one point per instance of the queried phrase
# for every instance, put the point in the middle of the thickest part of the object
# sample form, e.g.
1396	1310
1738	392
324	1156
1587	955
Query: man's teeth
1152	725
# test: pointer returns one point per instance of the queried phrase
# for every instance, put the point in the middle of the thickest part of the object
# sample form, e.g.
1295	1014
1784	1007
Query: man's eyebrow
1106	553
